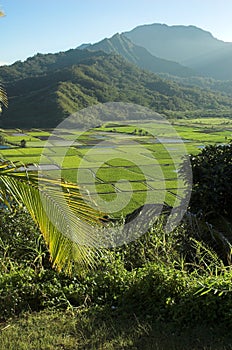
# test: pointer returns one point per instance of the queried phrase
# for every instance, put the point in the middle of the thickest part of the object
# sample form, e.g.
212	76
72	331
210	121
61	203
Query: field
120	167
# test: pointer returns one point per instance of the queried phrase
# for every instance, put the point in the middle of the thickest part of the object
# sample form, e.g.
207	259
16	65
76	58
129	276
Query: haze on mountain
188	45
121	45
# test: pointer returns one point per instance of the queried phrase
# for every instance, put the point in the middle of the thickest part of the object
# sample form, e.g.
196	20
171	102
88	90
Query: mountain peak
121	45
177	28
188	45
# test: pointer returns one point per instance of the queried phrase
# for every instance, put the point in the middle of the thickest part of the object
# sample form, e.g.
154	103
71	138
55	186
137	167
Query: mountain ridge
188	45
138	55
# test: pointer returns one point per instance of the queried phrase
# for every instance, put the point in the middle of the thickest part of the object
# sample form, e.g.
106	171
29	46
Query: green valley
45	89
115	180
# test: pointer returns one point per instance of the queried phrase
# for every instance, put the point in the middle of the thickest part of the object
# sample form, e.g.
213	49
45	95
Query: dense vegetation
212	173
211	197
203	82
47	88
149	281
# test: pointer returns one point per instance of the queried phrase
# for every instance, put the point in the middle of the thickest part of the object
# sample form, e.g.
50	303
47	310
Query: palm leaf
3	96
66	220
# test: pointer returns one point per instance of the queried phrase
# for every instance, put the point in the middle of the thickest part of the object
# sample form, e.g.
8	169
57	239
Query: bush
212	181
147	277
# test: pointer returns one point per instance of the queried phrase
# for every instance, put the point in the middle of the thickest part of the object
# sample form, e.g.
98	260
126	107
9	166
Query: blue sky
32	26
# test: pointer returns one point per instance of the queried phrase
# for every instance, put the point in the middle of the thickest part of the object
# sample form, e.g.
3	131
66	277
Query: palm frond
66	220
3	96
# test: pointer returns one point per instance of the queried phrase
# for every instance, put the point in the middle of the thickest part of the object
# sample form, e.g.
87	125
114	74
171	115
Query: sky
32	26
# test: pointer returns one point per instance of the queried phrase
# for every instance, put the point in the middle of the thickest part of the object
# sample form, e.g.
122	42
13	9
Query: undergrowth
154	276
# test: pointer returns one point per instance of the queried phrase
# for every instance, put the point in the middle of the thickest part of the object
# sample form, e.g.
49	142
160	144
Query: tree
212	181
210	215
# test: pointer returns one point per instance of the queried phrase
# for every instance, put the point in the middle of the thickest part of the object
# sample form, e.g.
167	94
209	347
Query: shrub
212	181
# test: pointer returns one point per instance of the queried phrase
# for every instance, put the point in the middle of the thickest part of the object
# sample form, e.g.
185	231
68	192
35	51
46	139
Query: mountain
83	46
121	45
188	45
204	83
45	89
42	64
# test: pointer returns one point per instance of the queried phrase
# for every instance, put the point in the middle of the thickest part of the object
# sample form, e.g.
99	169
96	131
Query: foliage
212	181
3	98
21	242
47	88
53	205
210	204
147	277
203	82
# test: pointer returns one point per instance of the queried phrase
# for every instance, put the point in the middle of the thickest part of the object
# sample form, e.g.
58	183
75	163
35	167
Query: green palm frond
66	220
3	96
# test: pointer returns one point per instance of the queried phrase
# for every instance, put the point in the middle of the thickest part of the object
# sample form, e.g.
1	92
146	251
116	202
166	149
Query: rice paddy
122	166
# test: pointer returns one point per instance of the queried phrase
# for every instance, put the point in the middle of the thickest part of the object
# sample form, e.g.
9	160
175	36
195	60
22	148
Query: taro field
120	167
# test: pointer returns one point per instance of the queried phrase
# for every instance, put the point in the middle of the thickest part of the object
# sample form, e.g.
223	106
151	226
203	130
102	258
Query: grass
100	188
17	139
63	151
107	175
120	204
25	159
38	133
5	153
86	175
156	172
134	159
105	329
165	184
134	186
35	151
67	162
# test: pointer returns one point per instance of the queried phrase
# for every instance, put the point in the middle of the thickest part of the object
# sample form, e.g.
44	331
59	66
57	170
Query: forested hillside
224	86
45	89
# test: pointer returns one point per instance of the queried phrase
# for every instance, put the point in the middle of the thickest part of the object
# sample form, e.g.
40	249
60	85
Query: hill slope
56	87
188	45
121	45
